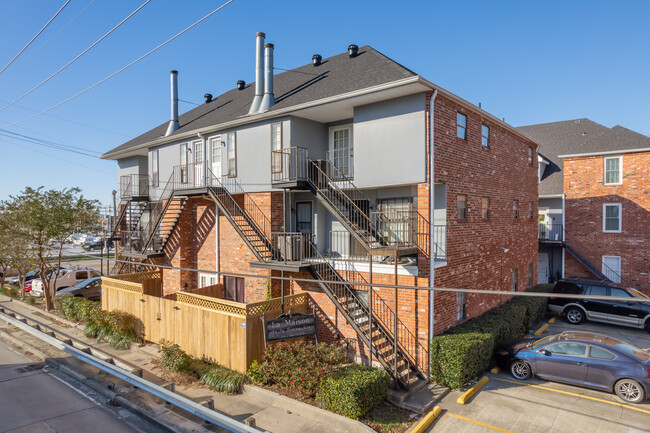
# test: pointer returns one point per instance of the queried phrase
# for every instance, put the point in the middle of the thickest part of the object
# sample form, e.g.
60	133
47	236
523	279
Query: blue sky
529	62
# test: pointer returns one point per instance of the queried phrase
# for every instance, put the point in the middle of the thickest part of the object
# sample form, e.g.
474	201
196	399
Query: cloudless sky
528	62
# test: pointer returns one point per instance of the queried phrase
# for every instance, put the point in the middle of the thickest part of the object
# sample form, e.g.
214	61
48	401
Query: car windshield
542	341
636	293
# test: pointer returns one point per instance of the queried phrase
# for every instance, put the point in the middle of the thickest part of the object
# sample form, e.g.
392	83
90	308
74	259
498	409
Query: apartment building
325	175
594	202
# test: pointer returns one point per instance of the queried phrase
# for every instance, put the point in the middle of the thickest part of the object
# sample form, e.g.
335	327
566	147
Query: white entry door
199	167
542	268
217	152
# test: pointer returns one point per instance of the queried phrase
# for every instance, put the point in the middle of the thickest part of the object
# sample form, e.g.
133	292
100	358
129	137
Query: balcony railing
550	232
293	246
289	165
134	185
343	160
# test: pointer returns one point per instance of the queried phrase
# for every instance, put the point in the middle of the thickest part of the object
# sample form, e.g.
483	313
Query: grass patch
224	380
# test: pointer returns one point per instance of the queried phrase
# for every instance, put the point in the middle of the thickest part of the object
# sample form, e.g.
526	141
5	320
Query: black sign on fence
290	325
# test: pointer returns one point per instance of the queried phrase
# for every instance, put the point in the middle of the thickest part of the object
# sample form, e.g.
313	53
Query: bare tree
47	221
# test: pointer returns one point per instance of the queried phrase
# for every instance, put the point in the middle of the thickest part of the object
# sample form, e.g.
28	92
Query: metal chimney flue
173	123
259	73
269	98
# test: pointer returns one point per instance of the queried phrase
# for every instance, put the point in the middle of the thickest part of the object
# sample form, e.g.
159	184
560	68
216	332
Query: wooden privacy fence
229	333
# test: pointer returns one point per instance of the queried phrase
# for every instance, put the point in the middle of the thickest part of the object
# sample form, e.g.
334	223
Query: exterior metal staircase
584	262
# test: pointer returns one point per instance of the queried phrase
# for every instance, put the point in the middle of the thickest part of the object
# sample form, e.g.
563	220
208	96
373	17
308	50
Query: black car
99	245
633	312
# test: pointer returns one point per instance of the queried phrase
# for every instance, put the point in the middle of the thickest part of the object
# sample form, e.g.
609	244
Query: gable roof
336	75
575	137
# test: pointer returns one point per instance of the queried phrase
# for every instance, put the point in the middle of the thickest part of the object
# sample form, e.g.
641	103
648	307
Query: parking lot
507	405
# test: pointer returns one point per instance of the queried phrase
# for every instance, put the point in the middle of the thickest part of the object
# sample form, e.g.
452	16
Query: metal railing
134	185
550	232
439	242
343	160
293	246
289	165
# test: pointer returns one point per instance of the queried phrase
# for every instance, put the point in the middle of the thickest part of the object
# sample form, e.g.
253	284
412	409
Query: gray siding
389	142
132	165
554	206
309	134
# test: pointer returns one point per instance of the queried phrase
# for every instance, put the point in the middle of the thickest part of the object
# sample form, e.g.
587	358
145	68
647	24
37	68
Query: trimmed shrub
257	372
353	390
457	358
174	359
224	380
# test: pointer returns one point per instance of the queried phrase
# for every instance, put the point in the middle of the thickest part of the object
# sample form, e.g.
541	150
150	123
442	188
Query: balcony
294	252
550	233
134	187
290	168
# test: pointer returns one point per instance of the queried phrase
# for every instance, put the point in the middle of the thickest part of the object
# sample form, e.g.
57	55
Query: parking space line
574	395
482	424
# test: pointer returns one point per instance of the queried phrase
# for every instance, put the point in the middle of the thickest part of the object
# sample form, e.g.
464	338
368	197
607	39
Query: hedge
455	356
353	390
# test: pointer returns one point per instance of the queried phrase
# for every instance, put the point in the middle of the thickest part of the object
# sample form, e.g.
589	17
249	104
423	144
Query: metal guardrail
550	232
158	391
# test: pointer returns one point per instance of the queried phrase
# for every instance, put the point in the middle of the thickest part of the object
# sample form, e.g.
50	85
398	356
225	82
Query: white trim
620	217
609	152
614	271
377	268
620	170
552	196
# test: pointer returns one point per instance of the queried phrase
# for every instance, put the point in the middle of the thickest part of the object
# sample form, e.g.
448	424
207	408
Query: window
154	169
596	291
341	154
461	201
397	227
530	274
198	152
515	278
530	155
515	209
461	306
612	218
233	289
569	349
485	208
598	353
613	170
612	268
619	293
461	126
276	148
183	163
231	145
530	210
485	135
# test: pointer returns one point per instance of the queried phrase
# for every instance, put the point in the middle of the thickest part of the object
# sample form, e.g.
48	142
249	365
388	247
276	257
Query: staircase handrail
157	211
582	248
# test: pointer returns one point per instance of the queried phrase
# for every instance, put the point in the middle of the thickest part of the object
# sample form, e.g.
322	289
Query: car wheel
574	315
520	370
629	390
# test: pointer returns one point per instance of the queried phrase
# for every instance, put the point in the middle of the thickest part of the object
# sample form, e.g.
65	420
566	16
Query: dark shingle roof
336	75
578	136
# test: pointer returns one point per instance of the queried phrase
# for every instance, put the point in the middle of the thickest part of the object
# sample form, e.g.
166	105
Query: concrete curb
463	399
426	421
330	418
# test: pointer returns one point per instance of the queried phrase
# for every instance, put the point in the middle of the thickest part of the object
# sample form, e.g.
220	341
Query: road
36	400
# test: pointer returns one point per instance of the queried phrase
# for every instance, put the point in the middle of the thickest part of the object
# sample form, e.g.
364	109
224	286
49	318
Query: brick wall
475	259
585	195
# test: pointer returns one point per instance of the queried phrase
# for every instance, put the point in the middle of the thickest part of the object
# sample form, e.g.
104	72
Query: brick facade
586	194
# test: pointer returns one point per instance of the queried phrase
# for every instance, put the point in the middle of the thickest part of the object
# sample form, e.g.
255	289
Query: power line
47	143
122	69
76	58
189	102
34	38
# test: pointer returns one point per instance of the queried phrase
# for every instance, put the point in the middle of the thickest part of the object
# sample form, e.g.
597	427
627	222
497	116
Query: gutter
609	152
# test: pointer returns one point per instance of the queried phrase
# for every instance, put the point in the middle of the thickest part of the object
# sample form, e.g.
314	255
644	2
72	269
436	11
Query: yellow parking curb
473	390
543	328
495	370
427	420
552	320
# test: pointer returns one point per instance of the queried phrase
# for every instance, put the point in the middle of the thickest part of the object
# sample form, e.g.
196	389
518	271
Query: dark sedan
583	359
89	289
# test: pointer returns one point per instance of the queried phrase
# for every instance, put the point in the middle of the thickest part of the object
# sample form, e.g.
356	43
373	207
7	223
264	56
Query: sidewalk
271	411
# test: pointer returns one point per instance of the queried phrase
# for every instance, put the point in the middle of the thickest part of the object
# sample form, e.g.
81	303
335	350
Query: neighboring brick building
601	178
328	180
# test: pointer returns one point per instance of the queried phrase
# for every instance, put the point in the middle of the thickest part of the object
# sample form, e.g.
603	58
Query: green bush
257	372
353	390
174	359
9	291
224	380
301	365
30	300
457	358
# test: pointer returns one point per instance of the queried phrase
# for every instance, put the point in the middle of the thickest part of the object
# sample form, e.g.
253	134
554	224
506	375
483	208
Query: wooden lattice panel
111	283
139	276
274	305
211	304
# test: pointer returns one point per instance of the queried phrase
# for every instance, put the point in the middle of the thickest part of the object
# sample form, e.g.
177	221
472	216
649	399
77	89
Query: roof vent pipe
173	123
353	50
269	98
241	85
317	59
259	73
208	97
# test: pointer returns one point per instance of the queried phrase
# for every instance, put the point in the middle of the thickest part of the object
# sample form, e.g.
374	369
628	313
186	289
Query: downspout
563	230
431	216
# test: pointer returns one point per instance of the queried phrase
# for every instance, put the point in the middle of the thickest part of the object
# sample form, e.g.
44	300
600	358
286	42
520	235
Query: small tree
47	221
15	249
